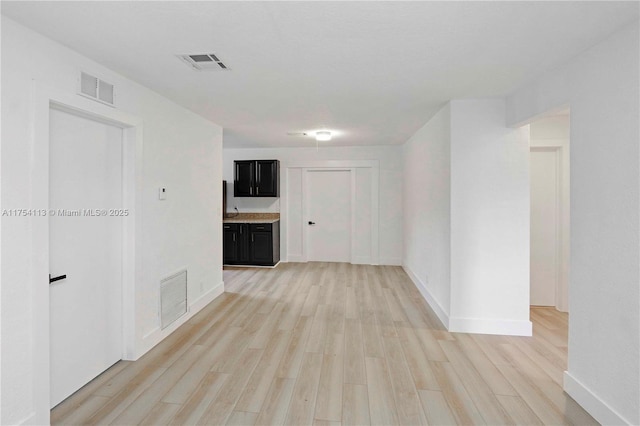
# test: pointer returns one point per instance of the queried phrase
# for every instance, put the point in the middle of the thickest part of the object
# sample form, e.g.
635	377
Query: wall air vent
204	62
98	90
173	298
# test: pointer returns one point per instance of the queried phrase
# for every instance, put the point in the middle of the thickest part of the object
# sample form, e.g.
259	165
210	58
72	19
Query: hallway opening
550	211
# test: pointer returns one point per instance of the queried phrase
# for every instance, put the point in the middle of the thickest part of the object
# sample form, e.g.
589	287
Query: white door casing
44	97
364	211
328	215
85	244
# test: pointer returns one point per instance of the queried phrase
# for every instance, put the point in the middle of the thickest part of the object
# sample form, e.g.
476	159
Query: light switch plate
162	193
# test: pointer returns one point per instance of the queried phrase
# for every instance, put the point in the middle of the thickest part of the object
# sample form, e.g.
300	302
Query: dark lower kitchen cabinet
262	247
230	242
244	253
251	244
256	178
236	243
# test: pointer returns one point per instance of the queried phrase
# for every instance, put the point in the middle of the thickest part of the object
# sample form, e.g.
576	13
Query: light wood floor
324	343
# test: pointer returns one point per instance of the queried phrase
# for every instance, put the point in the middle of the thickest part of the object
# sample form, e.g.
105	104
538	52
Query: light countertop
240	220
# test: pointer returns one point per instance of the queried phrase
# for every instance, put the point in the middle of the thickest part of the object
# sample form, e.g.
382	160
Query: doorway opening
550	204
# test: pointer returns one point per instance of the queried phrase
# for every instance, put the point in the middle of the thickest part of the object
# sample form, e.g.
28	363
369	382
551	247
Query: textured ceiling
374	71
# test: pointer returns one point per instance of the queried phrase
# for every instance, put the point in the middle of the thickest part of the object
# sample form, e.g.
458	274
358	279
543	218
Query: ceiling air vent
204	62
96	89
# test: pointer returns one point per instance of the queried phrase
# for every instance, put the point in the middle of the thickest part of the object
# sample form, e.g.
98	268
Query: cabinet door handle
311	223
257	189
234	238
252	240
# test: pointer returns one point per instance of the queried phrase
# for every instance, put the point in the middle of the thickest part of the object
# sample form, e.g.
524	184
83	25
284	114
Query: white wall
466	226
427	211
601	87
553	127
390	190
489	220
553	132
182	151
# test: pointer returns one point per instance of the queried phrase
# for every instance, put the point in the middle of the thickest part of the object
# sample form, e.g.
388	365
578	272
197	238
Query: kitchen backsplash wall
248	204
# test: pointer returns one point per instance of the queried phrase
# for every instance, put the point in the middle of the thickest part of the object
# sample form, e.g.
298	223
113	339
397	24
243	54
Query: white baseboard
206	298
150	334
391	261
361	260
30	420
490	326
255	266
595	406
157	335
422	288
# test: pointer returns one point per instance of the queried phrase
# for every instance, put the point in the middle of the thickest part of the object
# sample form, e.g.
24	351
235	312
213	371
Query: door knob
58	278
311	223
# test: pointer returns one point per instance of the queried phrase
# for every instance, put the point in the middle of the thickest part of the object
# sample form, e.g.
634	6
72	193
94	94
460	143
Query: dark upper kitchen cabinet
256	178
251	244
267	178
243	178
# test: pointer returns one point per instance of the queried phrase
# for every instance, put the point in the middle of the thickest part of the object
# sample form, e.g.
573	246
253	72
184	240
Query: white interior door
545	221
328	194
86	307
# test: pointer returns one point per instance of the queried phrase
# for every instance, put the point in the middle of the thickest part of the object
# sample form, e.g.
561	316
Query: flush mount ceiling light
319	135
323	135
